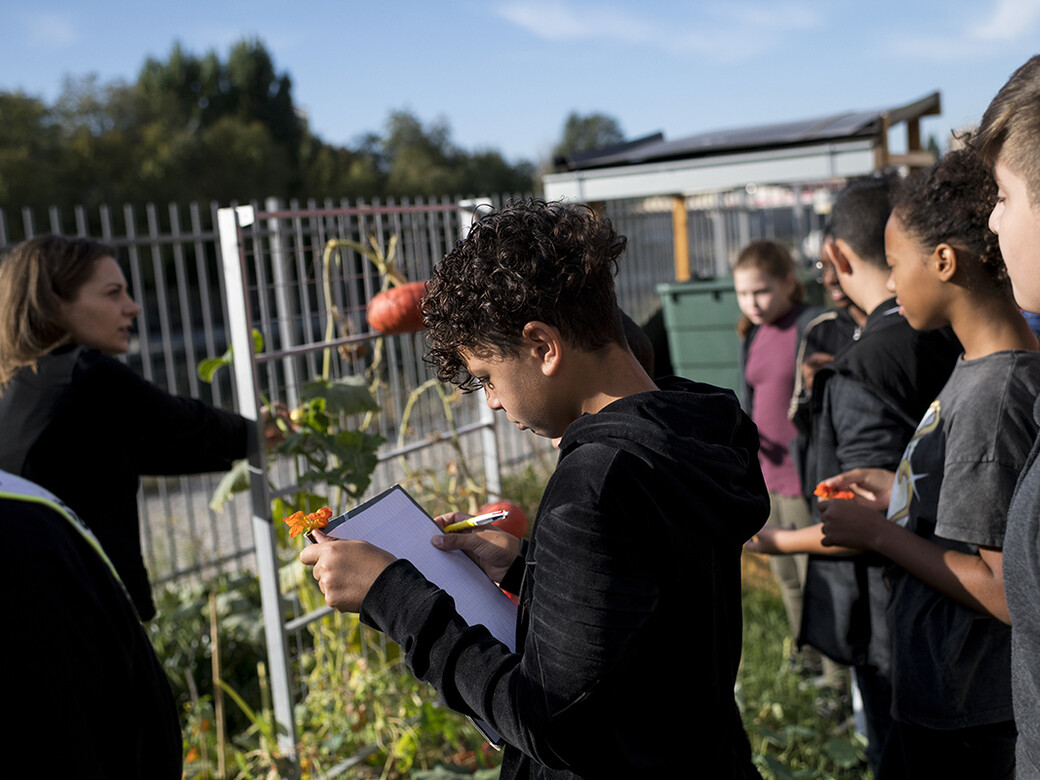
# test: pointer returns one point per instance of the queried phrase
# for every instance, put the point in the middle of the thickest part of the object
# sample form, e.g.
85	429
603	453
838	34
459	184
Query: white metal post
228	222
468	210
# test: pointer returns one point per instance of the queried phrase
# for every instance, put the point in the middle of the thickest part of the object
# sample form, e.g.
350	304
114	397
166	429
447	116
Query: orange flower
825	493
298	522
192	756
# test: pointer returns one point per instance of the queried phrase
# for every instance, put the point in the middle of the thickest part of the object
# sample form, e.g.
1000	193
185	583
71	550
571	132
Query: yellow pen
473	522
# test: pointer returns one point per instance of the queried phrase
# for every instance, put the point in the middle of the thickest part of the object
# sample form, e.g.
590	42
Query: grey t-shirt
1022	585
951	664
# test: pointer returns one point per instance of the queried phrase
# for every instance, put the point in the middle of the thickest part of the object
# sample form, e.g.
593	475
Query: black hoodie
629	632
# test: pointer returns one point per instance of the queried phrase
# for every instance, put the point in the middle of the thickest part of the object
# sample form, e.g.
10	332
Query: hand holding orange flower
826	493
300	523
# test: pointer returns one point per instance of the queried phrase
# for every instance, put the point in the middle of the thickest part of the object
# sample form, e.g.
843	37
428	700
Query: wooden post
680	238
913	135
881	159
218	692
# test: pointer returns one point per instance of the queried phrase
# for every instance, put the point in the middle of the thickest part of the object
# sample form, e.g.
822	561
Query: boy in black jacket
638	534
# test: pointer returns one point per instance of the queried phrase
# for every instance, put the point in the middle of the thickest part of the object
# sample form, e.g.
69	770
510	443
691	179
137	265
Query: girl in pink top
770	297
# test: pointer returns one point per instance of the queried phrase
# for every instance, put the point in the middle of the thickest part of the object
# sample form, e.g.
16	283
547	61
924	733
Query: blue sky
504	74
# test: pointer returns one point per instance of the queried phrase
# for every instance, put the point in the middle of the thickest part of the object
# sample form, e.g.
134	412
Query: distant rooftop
843	127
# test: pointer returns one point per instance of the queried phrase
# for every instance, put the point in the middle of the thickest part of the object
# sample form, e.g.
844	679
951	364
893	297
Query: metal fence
174	262
177	261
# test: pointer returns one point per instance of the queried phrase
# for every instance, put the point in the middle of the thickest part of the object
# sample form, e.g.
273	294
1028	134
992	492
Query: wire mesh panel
365	410
174	267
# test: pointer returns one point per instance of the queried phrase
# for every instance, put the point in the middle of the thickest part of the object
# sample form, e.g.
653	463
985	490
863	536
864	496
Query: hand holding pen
491	548
476	522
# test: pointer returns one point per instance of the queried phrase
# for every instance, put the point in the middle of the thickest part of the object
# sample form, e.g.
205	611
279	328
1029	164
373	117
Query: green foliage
362	699
584	133
29	144
340	458
789	739
208	367
181	636
202	127
525	487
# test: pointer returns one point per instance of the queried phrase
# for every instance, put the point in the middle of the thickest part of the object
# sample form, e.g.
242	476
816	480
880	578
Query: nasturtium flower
826	493
299	523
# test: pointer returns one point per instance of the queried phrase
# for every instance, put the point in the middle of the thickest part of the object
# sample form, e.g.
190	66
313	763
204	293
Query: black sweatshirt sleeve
557	700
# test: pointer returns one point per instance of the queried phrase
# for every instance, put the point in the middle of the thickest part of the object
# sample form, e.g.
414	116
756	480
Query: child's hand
812	364
277	423
869	487
493	549
850	525
344	569
765	541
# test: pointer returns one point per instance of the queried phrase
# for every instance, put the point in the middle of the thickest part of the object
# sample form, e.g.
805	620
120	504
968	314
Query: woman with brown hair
79	422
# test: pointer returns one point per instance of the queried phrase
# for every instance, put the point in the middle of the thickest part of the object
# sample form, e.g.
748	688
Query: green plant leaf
799	731
842	752
768	735
778	768
234	481
349	395
208	367
262	724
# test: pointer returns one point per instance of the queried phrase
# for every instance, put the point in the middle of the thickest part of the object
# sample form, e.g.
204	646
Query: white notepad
394	522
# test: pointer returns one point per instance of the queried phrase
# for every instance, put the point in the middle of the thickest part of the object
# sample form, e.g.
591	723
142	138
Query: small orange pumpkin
397	310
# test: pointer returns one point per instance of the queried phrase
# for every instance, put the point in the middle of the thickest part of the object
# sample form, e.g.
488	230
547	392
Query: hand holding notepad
394	522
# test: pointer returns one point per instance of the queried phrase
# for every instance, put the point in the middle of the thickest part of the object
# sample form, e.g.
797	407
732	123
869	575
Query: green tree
420	160
584	133
29	148
486	172
100	131
202	111
337	172
203	128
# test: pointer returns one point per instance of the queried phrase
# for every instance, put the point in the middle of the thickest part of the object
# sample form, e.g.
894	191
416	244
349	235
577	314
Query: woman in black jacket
81	423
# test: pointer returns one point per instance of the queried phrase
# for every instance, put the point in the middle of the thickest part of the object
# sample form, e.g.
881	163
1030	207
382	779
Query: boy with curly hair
637	537
1009	141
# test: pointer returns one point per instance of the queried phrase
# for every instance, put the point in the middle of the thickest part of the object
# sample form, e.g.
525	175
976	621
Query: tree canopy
204	128
582	133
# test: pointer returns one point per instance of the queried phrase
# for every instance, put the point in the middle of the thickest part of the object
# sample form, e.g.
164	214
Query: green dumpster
700	318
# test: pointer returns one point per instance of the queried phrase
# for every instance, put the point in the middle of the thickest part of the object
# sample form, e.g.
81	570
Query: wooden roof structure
844	145
821	149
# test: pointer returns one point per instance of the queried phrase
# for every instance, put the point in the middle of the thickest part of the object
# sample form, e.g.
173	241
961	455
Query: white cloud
558	21
50	31
979	35
777	17
725	31
1011	20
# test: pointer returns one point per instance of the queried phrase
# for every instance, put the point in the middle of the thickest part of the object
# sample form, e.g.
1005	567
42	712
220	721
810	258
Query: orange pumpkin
515	524
397	310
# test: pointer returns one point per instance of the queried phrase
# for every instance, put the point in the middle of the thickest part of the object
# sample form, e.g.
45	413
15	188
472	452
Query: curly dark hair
530	260
950	203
